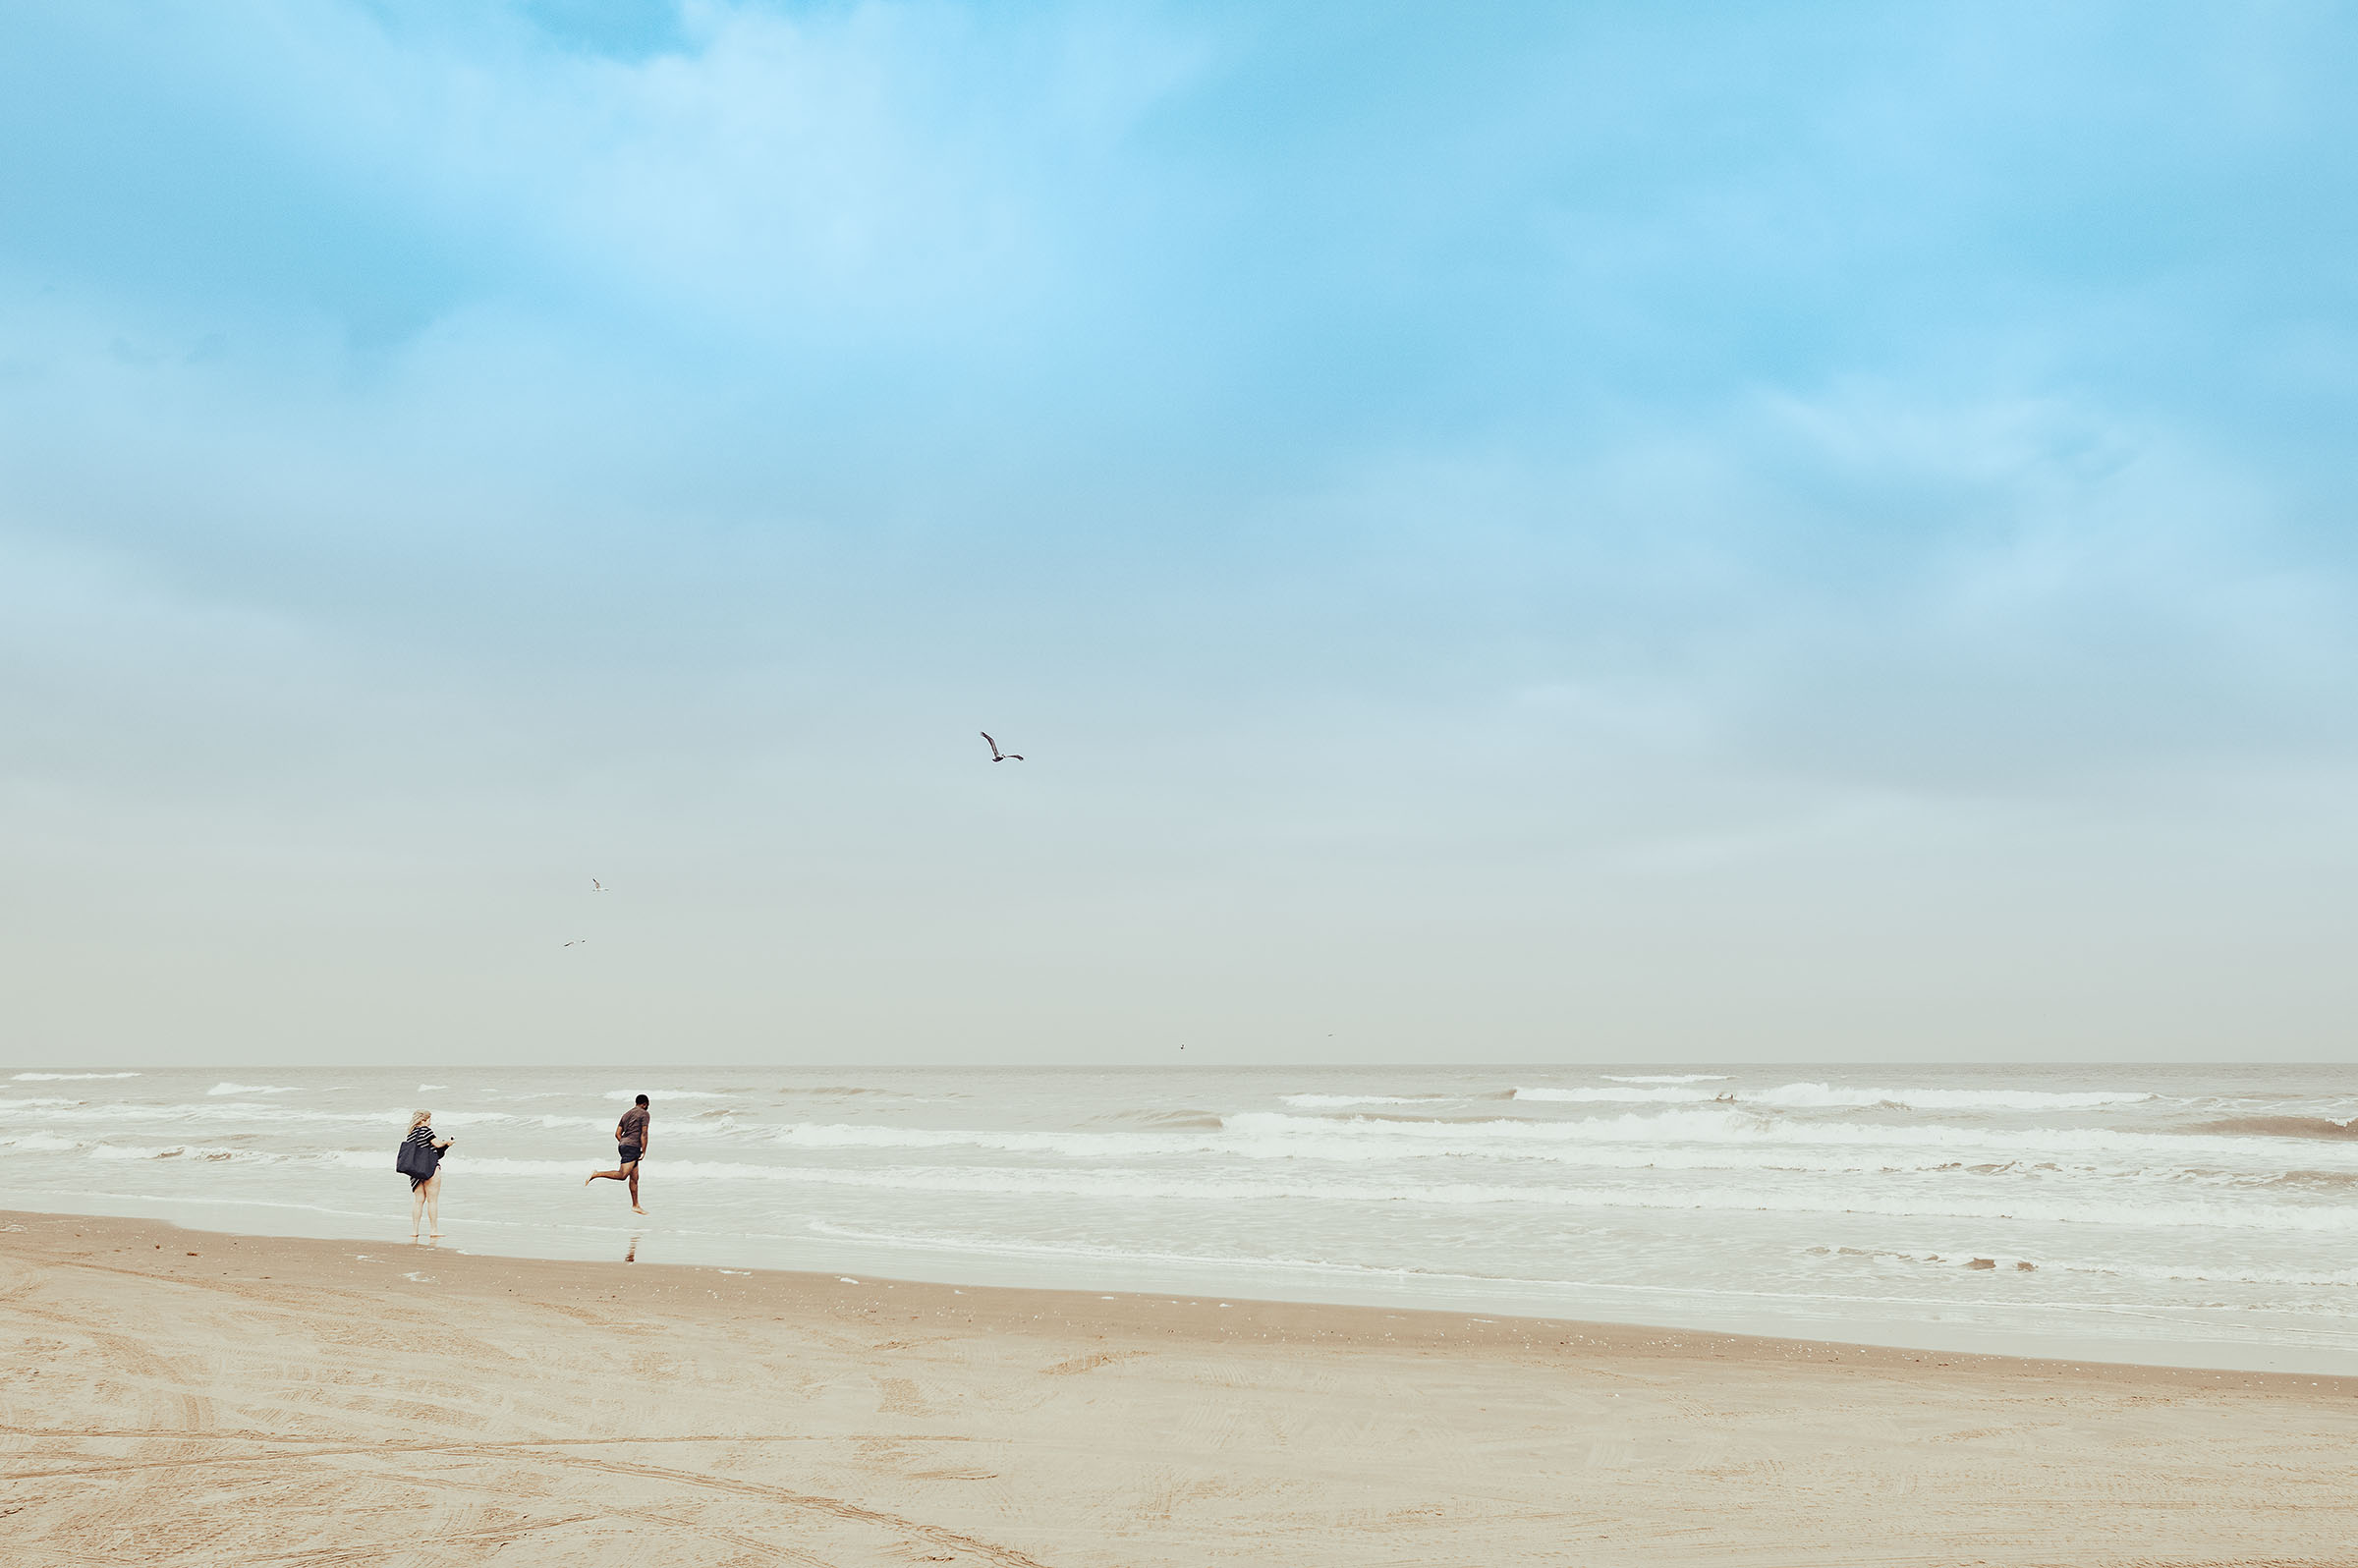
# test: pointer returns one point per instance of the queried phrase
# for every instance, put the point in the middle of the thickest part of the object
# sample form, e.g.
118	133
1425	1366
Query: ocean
2190	1215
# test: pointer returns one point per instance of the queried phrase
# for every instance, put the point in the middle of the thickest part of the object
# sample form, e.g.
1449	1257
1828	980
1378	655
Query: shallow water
2200	1215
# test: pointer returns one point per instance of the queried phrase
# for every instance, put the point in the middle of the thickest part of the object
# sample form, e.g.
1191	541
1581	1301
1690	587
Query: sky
1585	532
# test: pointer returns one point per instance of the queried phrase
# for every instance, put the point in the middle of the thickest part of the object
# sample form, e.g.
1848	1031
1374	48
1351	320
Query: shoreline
1009	1307
2047	1214
204	1398
2258	1357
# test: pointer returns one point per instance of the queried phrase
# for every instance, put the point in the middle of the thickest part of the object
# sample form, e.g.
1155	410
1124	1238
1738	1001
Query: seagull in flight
996	755
596	887
578	941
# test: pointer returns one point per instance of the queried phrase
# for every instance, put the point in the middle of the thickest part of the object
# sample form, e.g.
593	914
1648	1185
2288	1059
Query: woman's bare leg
416	1203
434	1205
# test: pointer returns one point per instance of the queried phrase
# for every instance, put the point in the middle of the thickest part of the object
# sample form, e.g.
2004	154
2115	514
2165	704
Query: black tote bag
416	1159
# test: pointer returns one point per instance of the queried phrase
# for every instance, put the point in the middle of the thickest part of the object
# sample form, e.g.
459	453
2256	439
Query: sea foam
2210	1205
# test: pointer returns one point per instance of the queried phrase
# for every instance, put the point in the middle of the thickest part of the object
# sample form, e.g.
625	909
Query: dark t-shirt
633	1126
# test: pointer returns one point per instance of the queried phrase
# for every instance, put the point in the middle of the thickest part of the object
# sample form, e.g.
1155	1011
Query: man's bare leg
607	1175
635	1208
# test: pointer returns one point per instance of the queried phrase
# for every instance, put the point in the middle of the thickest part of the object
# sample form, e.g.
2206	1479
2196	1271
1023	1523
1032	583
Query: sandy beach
179	1396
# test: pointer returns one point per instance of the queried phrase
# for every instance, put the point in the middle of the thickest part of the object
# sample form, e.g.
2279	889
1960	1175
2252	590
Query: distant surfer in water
630	1146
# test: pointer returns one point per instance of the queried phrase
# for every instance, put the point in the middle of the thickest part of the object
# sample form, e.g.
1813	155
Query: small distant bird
996	755
578	941
596	887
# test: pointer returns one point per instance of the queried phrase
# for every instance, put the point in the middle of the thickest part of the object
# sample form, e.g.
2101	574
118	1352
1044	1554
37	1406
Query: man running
630	1140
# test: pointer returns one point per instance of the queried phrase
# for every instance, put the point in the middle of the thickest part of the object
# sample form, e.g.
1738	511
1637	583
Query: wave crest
2320	1127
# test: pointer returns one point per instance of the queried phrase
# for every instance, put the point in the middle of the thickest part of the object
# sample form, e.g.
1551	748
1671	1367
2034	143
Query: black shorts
629	1152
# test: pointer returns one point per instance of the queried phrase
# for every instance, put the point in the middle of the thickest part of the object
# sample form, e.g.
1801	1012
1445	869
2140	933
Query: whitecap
1663	1078
1826	1096
1724	1133
1586	1096
1324	1102
251	1088
63	1077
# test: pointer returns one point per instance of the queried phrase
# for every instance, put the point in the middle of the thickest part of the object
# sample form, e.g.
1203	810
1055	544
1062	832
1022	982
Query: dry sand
187	1397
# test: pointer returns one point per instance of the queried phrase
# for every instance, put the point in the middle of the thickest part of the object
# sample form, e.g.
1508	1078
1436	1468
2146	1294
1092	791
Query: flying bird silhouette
996	755
596	887
578	941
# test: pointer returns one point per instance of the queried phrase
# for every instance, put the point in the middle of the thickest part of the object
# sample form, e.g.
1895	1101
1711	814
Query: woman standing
425	1192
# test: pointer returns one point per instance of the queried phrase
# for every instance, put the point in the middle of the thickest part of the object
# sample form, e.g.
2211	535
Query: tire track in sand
836	1507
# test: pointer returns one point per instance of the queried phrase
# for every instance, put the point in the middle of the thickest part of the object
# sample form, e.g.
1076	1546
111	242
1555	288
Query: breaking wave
1336	1102
2226	1199
1614	1097
1663	1078
1826	1097
1799	1096
2320	1127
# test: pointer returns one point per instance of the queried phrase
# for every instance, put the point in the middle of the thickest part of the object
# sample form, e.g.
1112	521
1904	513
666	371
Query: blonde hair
418	1119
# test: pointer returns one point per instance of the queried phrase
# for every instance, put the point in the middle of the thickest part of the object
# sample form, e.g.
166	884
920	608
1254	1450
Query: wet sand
188	1397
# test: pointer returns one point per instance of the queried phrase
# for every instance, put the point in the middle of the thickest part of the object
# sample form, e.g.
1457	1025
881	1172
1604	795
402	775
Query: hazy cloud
1485	520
